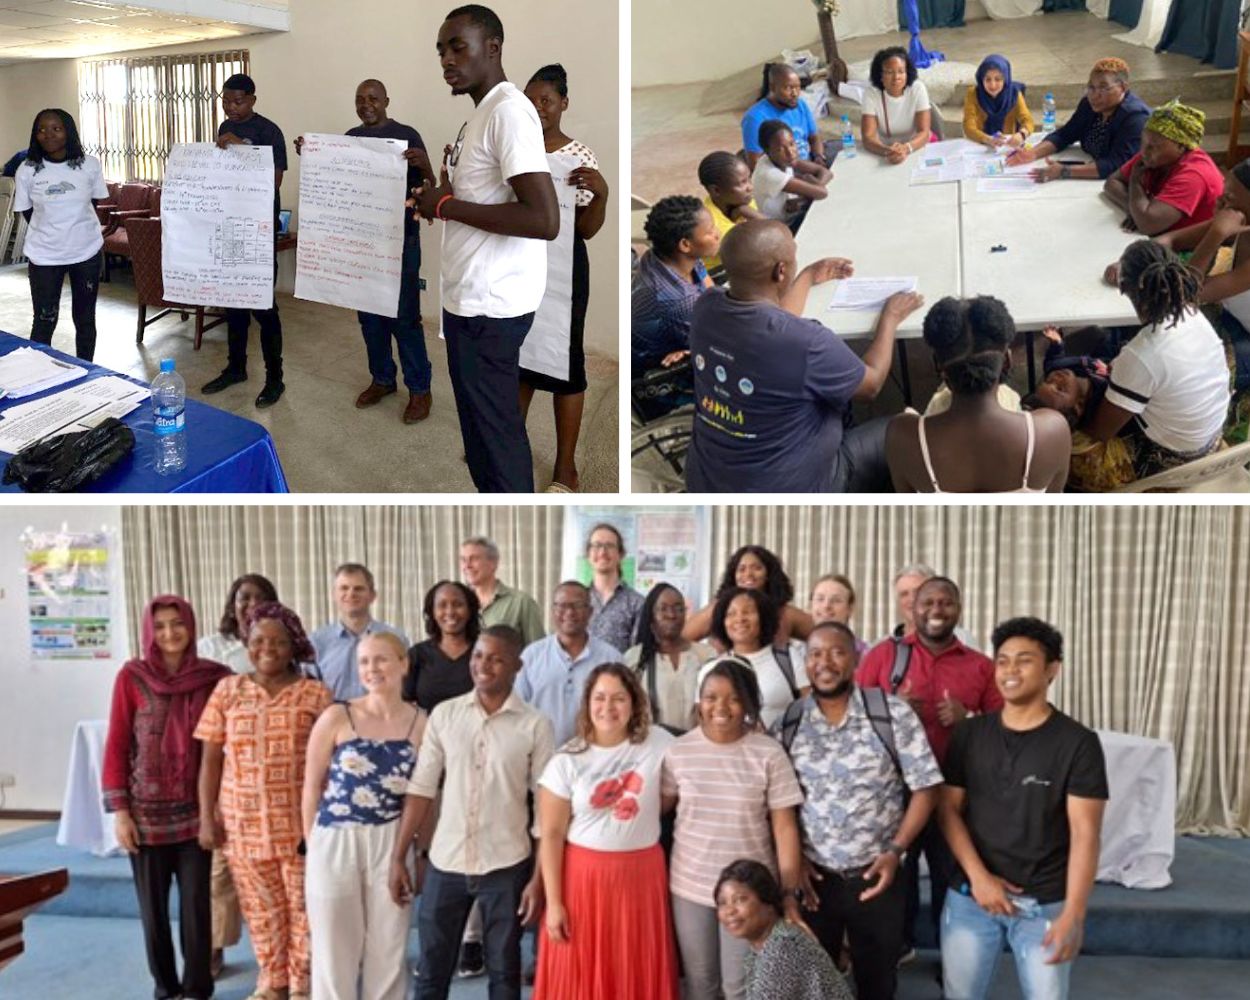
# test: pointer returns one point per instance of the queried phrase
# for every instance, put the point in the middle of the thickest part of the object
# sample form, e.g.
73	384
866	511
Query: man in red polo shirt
944	681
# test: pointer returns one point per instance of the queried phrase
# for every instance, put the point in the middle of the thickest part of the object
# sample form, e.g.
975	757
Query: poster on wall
662	545
67	589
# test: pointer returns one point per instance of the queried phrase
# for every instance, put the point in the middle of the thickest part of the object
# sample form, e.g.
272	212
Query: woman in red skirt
607	930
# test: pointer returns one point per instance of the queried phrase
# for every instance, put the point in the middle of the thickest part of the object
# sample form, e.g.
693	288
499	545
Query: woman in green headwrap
1172	183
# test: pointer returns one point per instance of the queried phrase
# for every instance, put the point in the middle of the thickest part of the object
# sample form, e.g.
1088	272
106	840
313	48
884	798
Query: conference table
225	453
1042	251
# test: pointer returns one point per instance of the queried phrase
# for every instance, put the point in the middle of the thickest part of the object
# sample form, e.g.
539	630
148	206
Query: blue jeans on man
405	328
484	359
446	898
972	941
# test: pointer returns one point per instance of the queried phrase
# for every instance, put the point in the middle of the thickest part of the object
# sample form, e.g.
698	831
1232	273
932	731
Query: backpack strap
782	655
877	708
790	723
902	660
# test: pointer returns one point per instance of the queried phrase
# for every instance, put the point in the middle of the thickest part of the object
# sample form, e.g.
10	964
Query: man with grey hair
501	604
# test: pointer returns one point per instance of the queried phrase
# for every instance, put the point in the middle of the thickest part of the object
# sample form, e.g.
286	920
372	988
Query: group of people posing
773	392
496	202
741	793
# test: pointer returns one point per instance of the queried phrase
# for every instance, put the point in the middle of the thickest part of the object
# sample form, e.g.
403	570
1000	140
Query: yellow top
723	224
1018	118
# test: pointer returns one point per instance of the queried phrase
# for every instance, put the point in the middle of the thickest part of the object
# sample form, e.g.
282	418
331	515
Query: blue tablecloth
225	453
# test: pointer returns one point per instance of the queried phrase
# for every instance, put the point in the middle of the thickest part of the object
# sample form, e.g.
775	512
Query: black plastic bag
68	462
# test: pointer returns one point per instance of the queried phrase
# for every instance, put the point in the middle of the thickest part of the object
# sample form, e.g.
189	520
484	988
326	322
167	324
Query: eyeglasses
454	157
602	546
560	607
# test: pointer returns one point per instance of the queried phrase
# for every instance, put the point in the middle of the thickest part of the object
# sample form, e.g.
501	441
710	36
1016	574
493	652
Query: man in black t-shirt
371	104
1022	812
243	125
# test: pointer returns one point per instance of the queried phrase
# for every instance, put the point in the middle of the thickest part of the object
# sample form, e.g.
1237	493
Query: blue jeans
405	328
446	899
972	941
484	359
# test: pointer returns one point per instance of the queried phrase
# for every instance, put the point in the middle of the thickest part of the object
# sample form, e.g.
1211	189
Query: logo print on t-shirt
62	188
1033	779
746	386
699	363
720	373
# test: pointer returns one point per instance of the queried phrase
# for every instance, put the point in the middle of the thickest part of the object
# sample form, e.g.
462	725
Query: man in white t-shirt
494	263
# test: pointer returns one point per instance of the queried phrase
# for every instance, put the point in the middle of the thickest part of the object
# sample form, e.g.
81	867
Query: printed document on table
861	294
26	371
74	409
1006	185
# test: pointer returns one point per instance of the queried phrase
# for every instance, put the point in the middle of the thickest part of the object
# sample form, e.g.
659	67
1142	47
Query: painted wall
43	699
306	82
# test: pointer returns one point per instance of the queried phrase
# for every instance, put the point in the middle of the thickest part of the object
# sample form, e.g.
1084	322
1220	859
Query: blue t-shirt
660	306
800	119
772	396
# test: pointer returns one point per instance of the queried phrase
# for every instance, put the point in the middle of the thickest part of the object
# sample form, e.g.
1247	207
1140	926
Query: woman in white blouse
896	117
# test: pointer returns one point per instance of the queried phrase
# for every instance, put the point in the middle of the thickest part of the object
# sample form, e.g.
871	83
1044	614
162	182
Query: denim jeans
446	899
405	328
972	941
46	281
484	359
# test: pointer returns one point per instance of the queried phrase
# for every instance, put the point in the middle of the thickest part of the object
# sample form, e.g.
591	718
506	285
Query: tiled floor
325	443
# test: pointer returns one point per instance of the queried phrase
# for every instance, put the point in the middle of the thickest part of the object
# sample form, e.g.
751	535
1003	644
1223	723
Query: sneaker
224	381
270	394
908	954
472	960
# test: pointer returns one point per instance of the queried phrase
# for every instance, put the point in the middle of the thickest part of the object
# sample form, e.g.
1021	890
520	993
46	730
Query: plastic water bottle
169	403
848	139
1048	113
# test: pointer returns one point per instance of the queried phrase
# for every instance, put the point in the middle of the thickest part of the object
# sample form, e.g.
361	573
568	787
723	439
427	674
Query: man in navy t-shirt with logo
1022	812
773	391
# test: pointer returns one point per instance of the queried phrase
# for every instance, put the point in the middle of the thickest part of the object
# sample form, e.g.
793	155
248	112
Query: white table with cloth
84	823
1059	238
1139	825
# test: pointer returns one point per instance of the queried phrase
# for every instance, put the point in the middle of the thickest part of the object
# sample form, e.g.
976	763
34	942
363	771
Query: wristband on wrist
438	209
898	850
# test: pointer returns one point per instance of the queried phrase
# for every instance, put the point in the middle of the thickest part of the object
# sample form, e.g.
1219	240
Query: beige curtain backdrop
1152	600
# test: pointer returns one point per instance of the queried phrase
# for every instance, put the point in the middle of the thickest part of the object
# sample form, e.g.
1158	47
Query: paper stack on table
77	409
862	294
27	371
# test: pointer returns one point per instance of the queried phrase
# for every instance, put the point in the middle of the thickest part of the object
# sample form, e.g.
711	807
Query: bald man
371	107
773	391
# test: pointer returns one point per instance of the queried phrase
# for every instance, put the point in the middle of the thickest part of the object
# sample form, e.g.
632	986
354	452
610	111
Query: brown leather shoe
418	407
371	395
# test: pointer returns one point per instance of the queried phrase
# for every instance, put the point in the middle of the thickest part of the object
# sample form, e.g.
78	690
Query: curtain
1151	602
1204	29
1127	12
198	551
933	13
866	17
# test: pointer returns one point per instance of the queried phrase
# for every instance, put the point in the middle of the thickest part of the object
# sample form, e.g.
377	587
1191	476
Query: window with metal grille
133	110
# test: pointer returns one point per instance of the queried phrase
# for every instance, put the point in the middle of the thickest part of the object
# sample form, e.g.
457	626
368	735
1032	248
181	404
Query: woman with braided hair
976	446
670	277
1171	379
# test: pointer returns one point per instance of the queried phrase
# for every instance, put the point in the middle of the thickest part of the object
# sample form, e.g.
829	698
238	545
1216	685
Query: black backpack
876	707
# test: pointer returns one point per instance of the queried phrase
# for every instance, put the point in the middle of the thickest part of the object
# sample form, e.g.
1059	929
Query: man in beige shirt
488	749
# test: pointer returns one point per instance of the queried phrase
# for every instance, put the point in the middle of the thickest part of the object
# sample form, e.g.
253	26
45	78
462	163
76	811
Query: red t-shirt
1192	184
965	673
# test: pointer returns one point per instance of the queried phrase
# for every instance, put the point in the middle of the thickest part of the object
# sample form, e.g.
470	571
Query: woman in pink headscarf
151	765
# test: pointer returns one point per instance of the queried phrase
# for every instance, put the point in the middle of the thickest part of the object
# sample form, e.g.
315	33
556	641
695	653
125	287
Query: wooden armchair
116	239
127	198
144	236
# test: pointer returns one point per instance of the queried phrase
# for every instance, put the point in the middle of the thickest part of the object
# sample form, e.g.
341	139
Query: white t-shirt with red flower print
615	792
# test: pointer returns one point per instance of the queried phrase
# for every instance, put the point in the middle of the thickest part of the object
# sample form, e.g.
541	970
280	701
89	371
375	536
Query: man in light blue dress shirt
354	594
554	669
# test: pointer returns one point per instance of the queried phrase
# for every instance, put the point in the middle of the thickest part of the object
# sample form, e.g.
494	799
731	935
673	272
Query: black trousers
46	282
484	360
874	930
860	465
238	321
155	869
941	864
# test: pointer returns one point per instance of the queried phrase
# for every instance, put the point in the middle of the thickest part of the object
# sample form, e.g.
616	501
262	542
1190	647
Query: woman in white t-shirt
741	623
607	929
896	118
56	189
1172	378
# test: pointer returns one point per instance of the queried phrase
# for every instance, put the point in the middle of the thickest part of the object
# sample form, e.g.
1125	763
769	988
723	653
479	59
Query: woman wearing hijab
995	112
151	764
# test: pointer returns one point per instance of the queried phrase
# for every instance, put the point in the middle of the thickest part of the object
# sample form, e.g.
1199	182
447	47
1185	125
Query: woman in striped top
735	794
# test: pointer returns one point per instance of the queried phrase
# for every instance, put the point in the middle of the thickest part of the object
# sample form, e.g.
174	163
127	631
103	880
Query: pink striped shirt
726	792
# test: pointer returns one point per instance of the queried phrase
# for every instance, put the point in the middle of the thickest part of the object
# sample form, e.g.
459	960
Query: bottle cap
167	364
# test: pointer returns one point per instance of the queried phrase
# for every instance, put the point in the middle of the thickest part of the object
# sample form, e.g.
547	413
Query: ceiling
68	29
